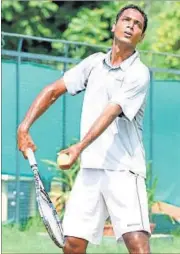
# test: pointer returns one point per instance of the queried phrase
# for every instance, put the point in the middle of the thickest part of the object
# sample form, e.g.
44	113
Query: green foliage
93	26
29	17
151	185
31	224
168	33
38	18
176	232
91	22
64	177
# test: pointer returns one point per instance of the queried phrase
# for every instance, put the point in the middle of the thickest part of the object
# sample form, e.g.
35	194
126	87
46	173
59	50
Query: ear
142	37
113	28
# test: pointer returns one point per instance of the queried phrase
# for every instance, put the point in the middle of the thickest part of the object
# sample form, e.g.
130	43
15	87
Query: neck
120	52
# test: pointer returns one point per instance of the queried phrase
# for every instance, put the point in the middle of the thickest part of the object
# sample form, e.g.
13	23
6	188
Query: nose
131	24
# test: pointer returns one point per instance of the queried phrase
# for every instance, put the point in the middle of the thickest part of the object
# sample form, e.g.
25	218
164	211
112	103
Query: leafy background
90	21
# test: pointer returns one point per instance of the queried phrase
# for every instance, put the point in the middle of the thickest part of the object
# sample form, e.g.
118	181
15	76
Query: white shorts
98	194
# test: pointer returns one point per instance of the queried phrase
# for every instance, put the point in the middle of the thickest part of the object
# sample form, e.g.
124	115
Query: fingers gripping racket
46	209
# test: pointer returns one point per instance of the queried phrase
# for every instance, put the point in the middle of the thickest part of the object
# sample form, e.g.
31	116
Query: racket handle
31	157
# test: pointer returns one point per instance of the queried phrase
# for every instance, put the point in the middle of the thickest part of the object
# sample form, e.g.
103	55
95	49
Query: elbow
50	92
115	109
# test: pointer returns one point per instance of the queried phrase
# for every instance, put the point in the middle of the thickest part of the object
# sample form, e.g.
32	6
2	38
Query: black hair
135	7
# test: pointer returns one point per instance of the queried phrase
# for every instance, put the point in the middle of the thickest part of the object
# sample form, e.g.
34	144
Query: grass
29	241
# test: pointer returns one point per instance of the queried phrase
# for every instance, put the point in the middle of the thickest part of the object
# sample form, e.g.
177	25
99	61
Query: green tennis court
32	241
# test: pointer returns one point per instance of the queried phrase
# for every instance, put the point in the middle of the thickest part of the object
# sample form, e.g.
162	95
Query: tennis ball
63	159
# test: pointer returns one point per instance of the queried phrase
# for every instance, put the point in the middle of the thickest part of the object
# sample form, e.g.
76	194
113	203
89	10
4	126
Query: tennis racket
46	209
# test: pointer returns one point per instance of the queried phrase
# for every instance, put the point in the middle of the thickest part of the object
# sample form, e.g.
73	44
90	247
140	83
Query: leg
75	245
137	242
128	208
85	212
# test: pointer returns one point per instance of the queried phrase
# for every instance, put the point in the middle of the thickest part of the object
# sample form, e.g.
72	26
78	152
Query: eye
138	24
126	18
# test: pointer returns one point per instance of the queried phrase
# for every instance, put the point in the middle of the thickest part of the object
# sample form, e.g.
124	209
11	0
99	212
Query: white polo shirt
120	146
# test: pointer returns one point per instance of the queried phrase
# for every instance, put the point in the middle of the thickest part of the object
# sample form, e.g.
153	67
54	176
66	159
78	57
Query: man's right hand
24	141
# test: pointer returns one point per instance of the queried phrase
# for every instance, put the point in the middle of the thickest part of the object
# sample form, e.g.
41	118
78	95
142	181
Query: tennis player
111	181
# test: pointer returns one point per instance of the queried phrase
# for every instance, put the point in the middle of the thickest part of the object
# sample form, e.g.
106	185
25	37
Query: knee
137	242
73	246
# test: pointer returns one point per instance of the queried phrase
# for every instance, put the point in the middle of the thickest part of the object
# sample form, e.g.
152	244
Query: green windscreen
59	126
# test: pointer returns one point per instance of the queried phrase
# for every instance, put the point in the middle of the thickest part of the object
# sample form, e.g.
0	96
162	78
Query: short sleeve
131	95
76	78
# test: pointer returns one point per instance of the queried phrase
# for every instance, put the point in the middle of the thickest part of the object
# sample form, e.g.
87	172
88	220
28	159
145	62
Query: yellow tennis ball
63	159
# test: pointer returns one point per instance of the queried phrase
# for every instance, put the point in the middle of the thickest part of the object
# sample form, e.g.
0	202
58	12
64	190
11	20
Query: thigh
85	211
126	201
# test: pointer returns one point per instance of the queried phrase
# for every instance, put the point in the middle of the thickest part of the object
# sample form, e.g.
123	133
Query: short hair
135	7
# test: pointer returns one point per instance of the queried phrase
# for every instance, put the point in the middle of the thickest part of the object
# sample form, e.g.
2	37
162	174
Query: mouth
127	34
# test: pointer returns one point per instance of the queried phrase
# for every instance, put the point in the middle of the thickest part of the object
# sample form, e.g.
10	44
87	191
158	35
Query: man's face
129	27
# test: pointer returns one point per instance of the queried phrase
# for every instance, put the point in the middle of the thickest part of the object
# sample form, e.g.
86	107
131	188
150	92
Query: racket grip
31	157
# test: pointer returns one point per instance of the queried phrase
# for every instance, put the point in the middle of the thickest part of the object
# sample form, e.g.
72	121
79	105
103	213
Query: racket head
50	218
46	209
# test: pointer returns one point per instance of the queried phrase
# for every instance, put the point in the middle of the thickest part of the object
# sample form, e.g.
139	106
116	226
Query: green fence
59	126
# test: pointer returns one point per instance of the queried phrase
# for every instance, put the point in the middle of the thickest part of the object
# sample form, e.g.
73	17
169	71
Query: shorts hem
128	230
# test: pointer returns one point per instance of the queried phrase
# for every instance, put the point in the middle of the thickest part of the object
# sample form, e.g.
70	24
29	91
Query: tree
94	25
90	22
38	18
29	18
168	33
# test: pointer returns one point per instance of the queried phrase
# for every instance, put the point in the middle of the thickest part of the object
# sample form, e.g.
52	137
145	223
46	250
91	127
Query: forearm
43	101
101	124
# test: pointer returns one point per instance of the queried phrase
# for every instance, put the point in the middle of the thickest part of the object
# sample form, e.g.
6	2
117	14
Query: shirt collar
124	65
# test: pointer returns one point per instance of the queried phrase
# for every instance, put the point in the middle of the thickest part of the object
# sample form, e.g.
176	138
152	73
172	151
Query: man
111	181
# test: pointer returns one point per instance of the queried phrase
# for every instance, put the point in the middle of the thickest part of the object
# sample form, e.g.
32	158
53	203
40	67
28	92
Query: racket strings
51	233
45	206
50	218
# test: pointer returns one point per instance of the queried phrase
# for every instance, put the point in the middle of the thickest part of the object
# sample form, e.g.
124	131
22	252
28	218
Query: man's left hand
73	153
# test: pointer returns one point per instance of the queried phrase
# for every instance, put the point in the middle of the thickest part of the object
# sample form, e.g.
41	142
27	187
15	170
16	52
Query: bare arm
98	127
43	101
101	124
